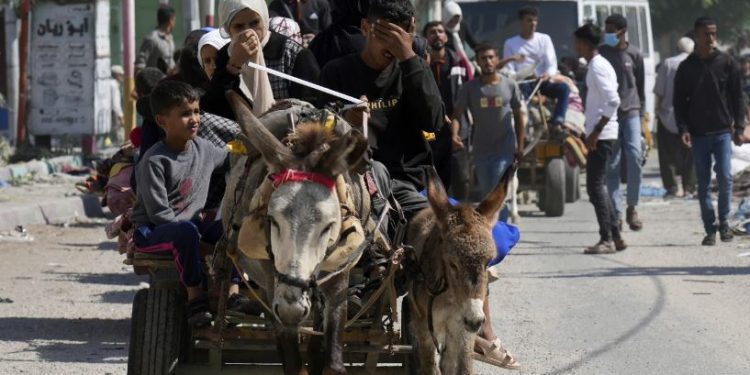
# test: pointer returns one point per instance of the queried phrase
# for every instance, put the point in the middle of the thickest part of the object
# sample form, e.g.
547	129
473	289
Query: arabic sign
64	71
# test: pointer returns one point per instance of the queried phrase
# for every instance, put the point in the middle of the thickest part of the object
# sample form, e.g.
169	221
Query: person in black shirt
402	98
710	113
450	72
344	36
312	15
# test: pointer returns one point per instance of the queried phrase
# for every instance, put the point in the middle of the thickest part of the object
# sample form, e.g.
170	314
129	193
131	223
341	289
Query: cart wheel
137	329
407	337
554	188
156	332
572	183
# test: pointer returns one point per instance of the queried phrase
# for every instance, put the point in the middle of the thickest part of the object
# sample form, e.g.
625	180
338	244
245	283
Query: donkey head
465	247
304	210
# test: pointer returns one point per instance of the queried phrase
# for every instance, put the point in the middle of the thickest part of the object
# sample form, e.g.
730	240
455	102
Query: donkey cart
544	167
161	342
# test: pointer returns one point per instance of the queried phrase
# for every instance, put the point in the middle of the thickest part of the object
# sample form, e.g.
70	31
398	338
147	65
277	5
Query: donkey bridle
434	290
289	175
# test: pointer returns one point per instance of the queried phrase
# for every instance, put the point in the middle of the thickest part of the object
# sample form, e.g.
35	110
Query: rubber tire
554	188
137	330
156	350
407	337
572	183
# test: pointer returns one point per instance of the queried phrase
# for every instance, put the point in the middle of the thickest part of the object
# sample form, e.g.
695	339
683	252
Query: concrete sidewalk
50	198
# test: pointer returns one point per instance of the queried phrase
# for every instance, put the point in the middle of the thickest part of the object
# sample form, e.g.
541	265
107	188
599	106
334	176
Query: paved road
664	306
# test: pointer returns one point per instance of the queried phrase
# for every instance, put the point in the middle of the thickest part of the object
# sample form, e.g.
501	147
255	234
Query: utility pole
128	60
208	11
23	72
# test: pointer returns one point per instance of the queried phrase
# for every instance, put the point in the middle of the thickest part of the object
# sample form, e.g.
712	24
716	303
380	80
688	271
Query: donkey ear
256	135
344	154
491	205
436	195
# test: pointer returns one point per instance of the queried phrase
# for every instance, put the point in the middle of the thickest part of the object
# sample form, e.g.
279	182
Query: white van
497	20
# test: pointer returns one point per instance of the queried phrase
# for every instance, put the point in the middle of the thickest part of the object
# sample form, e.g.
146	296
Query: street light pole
208	11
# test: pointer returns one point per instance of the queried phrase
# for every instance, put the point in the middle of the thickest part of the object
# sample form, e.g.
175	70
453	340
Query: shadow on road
70	340
100	278
654	271
118	296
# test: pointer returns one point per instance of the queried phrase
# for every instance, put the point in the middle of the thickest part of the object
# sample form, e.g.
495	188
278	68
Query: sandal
495	354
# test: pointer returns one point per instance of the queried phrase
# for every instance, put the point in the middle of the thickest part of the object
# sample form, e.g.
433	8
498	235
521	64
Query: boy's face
181	122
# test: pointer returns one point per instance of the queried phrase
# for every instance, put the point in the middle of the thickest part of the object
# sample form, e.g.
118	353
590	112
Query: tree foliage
678	15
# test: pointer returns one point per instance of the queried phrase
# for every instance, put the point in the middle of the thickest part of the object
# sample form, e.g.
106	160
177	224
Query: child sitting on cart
173	180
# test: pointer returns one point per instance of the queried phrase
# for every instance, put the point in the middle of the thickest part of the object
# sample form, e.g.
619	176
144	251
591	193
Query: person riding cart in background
532	54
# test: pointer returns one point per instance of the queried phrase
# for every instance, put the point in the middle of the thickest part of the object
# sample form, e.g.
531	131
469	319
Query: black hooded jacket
344	36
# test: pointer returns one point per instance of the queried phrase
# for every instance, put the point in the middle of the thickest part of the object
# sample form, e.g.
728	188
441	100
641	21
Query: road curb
50	212
41	168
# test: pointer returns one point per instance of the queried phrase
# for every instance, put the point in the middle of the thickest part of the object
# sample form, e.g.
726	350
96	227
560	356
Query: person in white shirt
674	157
602	102
532	54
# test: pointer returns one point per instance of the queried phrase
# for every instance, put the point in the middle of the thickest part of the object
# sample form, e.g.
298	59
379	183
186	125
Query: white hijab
212	38
450	10
253	83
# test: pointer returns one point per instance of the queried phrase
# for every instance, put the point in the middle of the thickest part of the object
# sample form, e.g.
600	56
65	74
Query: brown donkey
453	246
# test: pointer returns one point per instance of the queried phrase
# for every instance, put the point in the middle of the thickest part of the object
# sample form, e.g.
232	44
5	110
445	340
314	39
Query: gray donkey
304	219
453	246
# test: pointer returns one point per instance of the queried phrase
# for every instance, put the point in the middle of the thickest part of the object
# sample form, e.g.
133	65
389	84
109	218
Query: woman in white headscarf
208	48
246	23
453	22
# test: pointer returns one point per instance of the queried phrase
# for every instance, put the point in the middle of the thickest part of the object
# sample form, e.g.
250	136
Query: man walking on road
602	102
492	99
674	157
157	49
627	61
710	113
450	72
